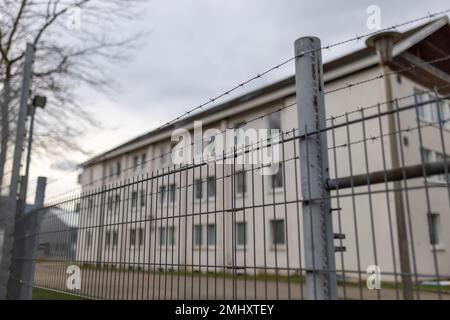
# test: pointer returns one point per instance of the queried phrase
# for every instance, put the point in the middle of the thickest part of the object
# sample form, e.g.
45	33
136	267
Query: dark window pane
211	234
211	187
241	237
198	235
198	192
277	228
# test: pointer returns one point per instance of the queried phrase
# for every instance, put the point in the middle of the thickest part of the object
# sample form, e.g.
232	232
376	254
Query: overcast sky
199	48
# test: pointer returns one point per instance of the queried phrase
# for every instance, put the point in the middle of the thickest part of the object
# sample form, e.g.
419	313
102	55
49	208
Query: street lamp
38	102
383	43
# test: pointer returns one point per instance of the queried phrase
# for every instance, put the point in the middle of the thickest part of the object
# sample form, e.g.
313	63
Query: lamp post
38	102
383	44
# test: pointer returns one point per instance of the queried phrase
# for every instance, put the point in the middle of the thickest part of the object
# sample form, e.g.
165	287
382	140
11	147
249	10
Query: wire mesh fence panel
283	199
227	229
202	231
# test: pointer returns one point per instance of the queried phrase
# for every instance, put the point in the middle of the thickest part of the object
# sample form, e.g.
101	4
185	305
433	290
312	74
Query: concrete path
140	285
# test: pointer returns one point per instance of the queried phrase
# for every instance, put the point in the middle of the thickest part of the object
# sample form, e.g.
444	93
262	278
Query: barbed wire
387	134
251	147
351	85
372	106
94	182
144	163
327	47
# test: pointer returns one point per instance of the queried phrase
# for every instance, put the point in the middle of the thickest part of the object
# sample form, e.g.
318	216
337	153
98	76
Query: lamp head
39	101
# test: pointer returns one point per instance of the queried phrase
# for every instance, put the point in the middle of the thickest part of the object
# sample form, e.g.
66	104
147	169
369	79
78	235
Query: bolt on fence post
314	171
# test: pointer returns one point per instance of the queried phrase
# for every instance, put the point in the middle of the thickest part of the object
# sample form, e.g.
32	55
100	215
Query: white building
175	220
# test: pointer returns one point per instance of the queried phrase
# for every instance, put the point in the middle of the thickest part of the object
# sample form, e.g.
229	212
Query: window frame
197	239
435	231
245	243
280	171
166	233
244	183
273	229
208	244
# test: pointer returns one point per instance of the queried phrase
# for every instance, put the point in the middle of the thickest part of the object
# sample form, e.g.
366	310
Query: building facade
140	209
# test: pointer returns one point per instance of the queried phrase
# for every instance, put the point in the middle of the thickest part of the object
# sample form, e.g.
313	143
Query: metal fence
355	208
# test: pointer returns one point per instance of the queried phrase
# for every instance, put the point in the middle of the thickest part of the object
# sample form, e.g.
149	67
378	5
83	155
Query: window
275	121
434	224
212	150
143	160
427	155
116	202
135	163
277	178
424	110
162	193
111	171
165	156
433	108
211	234
91	175
109	204
90	204
441	158
88	239
137	237
241	186
134	199
203	189
143	198
429	112
239	135
171	236
162	236
198	149
241	236
167	236
140	237
118	168
108	238
172	189
198	235
115	238
277	231
198	189
167	193
211	186
132	237
431	156
446	114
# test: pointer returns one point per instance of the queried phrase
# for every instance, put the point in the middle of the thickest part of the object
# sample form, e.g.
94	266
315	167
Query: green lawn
42	294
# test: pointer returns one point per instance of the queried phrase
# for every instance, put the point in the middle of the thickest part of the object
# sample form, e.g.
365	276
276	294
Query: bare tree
75	43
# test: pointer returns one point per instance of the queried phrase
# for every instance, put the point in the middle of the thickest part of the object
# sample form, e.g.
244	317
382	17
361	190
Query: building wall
369	225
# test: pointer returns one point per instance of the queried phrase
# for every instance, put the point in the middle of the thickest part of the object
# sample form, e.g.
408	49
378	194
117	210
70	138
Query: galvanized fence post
314	171
26	242
32	243
11	212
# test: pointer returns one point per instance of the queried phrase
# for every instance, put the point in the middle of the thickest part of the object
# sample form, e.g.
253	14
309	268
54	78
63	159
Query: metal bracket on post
317	220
